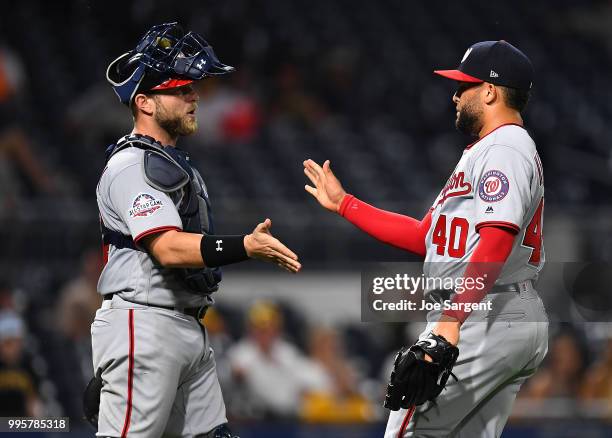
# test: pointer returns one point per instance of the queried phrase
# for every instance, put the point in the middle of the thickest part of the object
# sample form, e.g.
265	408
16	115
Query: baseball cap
496	62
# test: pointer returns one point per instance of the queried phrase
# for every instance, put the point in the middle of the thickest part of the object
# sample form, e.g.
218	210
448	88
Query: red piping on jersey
407	419
395	229
128	412
508	225
492	131
155	230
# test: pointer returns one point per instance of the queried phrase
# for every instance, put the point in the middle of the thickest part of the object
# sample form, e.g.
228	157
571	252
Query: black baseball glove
91	399
414	380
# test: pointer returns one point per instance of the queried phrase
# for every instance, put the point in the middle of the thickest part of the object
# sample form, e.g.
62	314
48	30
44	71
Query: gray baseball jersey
129	205
158	370
498	181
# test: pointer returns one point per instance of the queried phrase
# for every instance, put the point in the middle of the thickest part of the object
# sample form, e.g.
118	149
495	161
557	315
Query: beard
175	125
469	120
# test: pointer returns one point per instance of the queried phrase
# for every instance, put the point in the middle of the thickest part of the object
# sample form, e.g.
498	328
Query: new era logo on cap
496	62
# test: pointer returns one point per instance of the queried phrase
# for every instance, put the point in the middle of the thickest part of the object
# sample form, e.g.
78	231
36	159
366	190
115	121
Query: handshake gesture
260	244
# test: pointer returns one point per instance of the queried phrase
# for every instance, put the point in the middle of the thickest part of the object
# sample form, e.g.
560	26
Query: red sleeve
392	228
486	263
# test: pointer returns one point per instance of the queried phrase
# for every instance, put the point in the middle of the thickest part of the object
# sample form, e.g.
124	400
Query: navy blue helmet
165	57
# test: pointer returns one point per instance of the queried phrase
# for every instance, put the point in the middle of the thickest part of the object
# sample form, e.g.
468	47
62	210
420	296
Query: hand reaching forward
260	244
327	189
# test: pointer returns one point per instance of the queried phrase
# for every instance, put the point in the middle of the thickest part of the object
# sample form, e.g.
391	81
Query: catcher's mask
164	58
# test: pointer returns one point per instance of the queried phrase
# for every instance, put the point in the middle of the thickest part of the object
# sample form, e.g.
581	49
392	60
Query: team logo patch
494	186
144	205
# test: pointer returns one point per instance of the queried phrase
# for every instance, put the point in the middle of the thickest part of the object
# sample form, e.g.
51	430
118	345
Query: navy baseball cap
496	62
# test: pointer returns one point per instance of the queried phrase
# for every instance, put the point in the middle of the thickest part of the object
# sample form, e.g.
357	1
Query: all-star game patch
144	205
494	186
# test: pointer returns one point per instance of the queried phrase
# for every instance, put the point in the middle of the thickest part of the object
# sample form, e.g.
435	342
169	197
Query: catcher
484	228
155	370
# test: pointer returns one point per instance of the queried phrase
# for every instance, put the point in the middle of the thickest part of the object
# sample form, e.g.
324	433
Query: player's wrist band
218	250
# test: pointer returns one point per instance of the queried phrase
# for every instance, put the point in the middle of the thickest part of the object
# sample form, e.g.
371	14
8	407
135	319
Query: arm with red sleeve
395	229
492	251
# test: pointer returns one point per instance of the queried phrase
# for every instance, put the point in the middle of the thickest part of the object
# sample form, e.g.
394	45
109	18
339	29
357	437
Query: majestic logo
219	247
467	53
494	186
144	205
456	186
493	74
489	210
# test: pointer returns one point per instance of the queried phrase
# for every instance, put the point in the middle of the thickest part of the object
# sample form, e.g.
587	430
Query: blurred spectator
228	115
21	171
18	382
562	374
6	297
95	119
293	101
79	299
275	373
339	400
598	382
76	310
220	341
12	74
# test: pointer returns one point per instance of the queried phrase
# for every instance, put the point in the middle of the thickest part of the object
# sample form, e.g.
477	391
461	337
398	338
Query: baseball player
486	224
155	371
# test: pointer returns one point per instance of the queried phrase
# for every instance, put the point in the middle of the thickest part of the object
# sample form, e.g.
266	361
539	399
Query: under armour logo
201	64
219	242
493	74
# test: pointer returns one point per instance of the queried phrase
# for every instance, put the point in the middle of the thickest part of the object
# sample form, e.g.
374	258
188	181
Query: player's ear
490	93
144	103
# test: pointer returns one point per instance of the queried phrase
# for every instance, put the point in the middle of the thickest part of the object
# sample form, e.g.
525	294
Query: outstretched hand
327	189
260	244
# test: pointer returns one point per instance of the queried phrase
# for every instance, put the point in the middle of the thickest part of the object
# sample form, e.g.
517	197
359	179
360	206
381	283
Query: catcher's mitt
414	380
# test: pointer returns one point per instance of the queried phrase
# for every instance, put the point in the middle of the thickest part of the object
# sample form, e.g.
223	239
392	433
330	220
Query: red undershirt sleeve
395	229
486	263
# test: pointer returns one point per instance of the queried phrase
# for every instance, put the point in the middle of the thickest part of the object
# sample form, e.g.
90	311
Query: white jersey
498	181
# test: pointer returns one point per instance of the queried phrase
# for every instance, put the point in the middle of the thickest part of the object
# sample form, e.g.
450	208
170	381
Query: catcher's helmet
165	57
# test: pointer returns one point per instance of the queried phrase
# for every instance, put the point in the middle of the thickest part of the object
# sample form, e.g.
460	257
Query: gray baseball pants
159	375
498	350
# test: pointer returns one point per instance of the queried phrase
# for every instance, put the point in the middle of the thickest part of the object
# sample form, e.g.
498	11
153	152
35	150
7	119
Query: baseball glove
414	380
91	399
